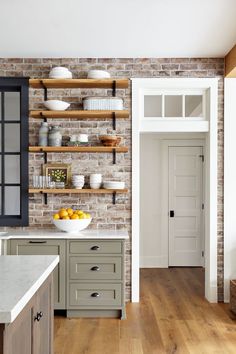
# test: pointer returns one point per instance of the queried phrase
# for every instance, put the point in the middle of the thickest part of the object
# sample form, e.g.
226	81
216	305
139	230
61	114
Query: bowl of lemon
70	220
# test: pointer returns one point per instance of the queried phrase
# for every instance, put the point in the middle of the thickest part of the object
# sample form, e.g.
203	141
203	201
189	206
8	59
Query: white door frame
210	127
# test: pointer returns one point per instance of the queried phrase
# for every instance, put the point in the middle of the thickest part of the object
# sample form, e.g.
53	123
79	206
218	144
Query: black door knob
172	213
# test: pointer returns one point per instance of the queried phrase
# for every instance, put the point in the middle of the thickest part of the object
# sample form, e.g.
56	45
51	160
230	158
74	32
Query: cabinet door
18	336
43	319
46	247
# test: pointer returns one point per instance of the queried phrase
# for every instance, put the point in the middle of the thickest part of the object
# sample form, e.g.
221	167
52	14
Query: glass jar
54	137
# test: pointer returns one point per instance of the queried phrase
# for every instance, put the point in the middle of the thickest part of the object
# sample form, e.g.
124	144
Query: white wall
153	251
124	28
229	184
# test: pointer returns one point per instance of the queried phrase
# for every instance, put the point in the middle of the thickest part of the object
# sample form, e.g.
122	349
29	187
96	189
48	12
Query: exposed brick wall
106	215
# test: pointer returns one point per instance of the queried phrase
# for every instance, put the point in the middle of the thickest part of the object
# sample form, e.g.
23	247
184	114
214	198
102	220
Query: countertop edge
7	317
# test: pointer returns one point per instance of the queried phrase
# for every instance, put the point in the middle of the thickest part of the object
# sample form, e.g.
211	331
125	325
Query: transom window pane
173	106
12	105
153	106
193	106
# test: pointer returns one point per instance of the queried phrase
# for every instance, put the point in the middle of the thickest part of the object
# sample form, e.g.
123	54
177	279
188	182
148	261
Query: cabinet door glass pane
12	169
173	106
12	137
12	200
152	106
12	105
193	106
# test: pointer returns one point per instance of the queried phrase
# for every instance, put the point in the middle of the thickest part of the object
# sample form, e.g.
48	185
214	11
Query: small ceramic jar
54	137
43	134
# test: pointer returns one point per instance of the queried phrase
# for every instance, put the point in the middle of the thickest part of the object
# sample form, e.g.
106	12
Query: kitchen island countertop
20	278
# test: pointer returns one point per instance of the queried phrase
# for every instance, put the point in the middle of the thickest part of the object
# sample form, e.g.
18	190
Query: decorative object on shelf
70	220
77	181
59	185
82	138
54	136
41	181
59	72
113	185
56	105
58	173
98	74
102	103
110	140
43	134
95	181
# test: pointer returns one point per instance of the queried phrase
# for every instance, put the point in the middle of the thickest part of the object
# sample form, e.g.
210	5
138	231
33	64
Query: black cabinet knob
172	213
95	248
95	268
95	294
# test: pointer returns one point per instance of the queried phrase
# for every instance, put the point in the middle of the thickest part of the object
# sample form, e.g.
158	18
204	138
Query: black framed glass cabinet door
14	141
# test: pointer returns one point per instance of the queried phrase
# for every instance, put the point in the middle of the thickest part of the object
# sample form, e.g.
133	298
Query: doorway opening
172	214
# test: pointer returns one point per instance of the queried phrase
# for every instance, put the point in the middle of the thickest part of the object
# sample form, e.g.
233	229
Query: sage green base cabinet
89	280
46	247
95	278
32	330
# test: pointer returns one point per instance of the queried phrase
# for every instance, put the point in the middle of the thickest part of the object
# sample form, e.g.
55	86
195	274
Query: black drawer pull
38	316
95	294
37	241
95	248
95	268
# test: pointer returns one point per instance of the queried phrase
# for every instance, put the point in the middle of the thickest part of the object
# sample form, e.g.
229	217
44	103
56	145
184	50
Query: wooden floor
172	317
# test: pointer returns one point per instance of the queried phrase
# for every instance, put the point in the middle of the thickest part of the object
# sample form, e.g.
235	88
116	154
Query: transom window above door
173	104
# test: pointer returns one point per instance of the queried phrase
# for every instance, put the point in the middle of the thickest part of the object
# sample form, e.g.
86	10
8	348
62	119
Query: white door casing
185	206
211	85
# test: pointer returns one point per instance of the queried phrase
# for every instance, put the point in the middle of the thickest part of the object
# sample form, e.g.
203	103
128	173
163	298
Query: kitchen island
26	304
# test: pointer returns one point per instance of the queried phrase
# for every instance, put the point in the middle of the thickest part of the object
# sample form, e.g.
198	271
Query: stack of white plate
77	181
95	181
60	72
114	185
98	74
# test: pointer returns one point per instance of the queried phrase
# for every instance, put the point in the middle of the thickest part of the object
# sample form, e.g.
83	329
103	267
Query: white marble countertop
52	234
20	278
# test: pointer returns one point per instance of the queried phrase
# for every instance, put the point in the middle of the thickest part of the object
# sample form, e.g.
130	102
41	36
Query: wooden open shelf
76	191
41	114
78	83
77	149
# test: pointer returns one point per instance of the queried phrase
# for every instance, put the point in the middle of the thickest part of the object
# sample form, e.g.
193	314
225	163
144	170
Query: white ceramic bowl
66	75
78	185
56	105
72	226
98	74
94	185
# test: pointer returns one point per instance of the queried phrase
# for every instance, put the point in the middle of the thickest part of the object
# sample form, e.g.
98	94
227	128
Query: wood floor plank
172	318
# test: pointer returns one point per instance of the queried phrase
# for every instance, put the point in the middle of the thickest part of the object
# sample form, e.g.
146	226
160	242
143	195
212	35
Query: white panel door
185	206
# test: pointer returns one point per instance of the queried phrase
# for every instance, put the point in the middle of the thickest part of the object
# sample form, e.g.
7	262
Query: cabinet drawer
95	247
95	295
95	268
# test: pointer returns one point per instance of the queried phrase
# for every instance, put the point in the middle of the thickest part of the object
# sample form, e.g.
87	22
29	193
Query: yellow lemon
66	218
80	212
56	216
82	216
63	213
88	216
70	211
74	217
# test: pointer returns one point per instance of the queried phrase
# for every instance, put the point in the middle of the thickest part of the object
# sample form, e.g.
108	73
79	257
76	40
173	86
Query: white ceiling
124	28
